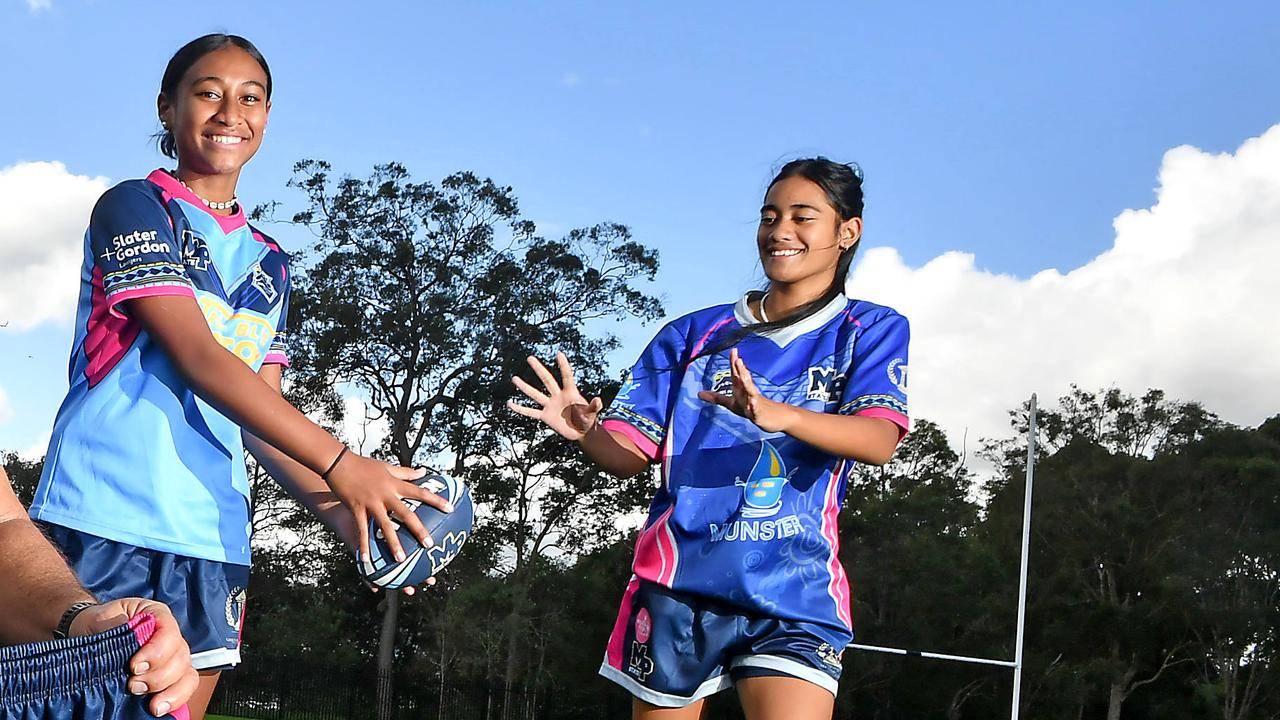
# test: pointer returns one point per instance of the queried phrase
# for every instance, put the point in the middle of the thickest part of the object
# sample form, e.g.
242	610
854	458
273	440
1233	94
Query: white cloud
6	412
571	79
38	5
44	210
1185	301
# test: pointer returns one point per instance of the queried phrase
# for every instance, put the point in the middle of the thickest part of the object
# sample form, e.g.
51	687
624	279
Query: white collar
742	313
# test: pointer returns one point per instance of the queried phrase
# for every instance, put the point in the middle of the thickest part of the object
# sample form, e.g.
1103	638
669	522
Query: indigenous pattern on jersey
136	456
744	516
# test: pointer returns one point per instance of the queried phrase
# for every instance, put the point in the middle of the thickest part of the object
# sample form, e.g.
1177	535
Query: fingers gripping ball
448	530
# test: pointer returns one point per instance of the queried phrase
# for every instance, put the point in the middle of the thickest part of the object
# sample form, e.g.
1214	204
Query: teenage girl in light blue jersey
176	370
755	412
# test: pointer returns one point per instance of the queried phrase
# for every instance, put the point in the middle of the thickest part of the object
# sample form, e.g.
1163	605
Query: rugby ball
448	530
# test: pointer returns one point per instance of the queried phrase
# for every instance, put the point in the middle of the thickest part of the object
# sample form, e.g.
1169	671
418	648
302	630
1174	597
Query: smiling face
218	112
801	236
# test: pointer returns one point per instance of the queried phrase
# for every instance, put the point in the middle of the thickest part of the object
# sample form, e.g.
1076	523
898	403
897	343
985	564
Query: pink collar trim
174	188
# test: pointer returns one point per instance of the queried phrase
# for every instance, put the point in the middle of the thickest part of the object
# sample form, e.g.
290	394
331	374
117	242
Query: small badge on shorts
644	626
641	664
235	607
828	655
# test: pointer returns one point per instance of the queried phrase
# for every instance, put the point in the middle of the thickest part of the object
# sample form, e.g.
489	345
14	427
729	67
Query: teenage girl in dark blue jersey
755	412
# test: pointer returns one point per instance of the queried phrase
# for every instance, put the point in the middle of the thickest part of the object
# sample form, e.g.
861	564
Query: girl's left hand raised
747	400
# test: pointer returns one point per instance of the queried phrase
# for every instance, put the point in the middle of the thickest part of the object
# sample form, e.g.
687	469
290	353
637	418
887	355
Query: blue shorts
79	677
207	597
669	649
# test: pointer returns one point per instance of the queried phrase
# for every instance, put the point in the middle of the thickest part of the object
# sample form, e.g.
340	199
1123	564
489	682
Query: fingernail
400	556
138	688
141	668
163	708
430	542
448	507
364	557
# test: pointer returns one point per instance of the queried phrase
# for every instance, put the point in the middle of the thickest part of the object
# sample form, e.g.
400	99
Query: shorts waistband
53	668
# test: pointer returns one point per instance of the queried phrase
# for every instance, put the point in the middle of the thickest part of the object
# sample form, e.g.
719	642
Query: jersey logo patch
195	252
898	374
762	491
824	384
722	382
263	282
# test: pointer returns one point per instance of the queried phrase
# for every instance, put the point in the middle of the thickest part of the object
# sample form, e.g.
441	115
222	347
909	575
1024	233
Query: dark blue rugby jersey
743	515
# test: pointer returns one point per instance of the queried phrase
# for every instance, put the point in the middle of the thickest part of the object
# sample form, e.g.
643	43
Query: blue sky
1016	132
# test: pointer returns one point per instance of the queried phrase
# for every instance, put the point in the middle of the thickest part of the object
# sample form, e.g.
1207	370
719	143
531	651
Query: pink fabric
697	348
618	638
108	335
263	239
838	586
143	626
897	418
176	189
656	555
276	358
647	446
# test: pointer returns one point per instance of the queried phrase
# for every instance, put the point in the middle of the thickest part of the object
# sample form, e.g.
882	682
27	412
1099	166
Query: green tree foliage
425	298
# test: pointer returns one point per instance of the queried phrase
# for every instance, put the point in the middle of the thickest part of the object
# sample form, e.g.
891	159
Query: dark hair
182	61
843	187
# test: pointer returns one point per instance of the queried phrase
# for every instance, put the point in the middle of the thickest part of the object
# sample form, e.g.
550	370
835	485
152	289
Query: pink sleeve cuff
647	446
892	416
276	358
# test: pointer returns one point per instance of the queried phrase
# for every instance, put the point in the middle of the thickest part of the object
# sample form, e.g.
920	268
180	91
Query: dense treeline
1155	555
1154	586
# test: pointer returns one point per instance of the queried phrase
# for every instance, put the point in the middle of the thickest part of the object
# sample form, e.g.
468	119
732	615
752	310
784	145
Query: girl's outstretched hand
563	408
747	400
372	489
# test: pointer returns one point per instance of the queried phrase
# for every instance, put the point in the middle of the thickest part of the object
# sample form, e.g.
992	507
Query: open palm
562	407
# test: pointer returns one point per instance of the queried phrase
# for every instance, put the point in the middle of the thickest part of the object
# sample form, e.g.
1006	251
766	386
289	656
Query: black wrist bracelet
343	453
68	617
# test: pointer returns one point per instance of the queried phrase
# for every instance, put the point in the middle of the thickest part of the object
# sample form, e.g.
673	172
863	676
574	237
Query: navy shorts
669	649
79	677
207	597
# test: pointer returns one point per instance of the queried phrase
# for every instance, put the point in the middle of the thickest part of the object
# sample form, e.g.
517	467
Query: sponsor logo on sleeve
131	248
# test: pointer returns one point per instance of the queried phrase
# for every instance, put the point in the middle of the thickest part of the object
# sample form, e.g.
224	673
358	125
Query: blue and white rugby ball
448	530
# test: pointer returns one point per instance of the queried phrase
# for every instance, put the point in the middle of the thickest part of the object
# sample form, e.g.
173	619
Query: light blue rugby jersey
744	516
135	455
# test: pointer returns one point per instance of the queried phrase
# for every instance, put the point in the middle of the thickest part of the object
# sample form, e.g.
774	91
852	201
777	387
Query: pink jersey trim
897	418
276	358
655	558
697	348
642	441
176	189
838	586
618	638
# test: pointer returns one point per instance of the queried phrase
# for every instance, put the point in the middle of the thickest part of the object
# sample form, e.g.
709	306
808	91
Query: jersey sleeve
134	250
642	408
876	385
278	353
